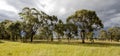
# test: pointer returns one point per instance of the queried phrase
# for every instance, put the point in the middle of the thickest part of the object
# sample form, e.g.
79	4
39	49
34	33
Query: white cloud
46	5
62	11
5	6
113	21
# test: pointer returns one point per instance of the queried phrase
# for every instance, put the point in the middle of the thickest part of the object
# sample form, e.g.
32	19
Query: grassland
9	48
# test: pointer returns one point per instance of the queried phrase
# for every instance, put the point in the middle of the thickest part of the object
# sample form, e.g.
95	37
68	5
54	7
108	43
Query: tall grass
8	48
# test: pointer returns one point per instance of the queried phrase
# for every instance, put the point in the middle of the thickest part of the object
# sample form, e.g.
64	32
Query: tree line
36	24
110	34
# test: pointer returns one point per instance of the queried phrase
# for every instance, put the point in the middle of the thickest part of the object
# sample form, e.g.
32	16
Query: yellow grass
8	48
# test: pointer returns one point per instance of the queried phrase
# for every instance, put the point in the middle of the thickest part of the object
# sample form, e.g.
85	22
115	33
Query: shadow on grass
95	44
1	42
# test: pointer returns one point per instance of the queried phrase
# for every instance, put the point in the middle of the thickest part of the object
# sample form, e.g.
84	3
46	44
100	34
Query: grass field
8	48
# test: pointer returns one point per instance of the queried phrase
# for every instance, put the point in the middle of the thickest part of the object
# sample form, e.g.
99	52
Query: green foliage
114	33
86	20
38	24
103	35
34	19
59	29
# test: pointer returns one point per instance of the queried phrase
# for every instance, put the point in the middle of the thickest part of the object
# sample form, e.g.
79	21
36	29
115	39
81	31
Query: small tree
59	29
114	33
70	30
5	32
103	35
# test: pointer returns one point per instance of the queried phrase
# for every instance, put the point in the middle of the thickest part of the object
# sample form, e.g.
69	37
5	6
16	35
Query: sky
107	10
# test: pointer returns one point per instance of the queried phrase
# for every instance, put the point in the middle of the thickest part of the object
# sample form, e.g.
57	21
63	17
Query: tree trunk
31	39
16	37
51	39
92	40
47	39
25	39
59	39
83	41
83	36
13	38
68	39
2	37
111	38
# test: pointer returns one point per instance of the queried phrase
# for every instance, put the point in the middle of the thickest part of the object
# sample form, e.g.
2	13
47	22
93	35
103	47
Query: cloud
8	15
107	10
113	21
6	7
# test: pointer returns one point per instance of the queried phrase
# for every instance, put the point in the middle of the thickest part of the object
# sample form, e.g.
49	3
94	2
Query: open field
43	48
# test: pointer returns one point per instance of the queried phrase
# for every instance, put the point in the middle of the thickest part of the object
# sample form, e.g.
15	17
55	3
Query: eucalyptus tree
71	30
3	32
35	19
6	33
30	17
48	27
10	29
89	35
15	28
111	33
86	20
52	25
59	29
114	33
46	33
103	35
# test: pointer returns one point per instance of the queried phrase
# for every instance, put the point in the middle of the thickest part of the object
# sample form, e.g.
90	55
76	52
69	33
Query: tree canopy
37	24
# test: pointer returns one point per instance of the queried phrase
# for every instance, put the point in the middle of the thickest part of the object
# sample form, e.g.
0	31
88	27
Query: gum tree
86	20
34	19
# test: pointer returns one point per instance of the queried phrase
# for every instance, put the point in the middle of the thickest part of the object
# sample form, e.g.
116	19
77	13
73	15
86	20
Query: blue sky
107	10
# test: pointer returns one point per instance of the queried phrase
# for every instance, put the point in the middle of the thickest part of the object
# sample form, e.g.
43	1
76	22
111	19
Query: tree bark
111	38
51	39
31	38
83	36
68	39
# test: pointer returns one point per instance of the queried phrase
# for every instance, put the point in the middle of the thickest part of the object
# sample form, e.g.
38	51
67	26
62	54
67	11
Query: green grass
8	48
